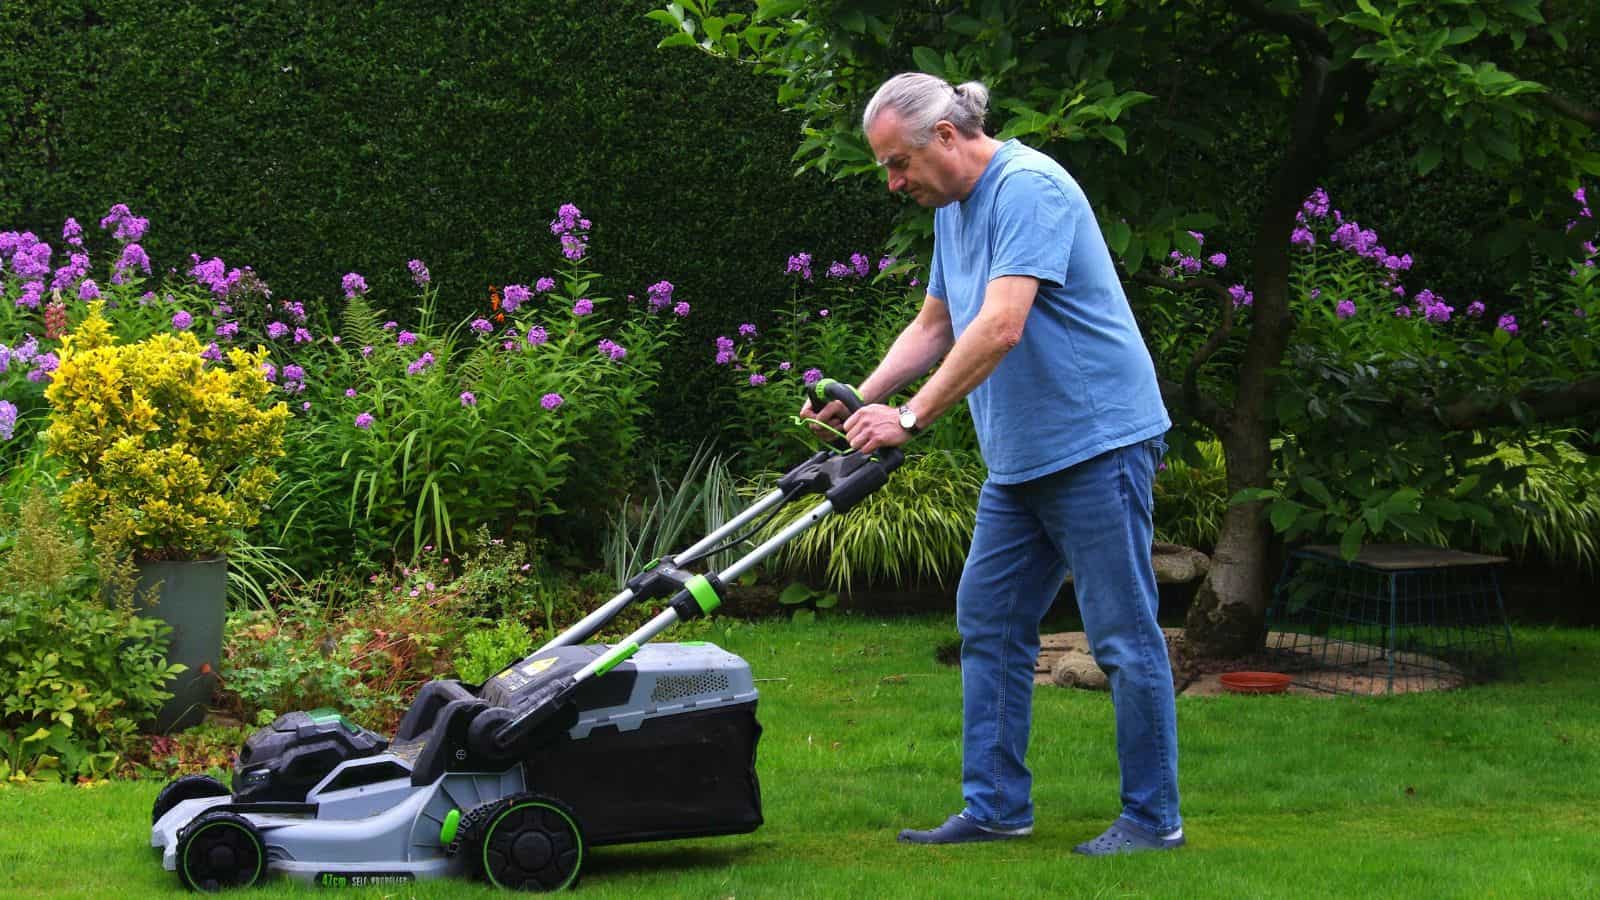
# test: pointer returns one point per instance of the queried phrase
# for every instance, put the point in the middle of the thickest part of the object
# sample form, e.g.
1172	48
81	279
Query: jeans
1093	518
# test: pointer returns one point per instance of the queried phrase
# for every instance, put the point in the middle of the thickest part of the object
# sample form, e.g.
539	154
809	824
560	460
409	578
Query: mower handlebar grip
827	389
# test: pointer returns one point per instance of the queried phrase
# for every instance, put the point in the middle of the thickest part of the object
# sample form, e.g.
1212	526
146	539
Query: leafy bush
1191	496
170	456
488	650
658	524
76	674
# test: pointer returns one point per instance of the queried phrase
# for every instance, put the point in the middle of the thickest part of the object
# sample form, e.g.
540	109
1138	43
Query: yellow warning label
535	666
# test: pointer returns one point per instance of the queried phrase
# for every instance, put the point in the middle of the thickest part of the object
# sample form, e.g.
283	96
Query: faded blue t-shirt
1080	382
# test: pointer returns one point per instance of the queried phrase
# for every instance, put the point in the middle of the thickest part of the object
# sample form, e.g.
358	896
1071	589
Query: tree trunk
1228	615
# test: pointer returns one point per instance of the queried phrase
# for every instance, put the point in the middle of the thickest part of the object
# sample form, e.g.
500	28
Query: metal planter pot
193	600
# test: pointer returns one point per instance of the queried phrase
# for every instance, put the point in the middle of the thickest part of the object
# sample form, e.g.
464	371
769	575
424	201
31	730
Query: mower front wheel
526	842
219	851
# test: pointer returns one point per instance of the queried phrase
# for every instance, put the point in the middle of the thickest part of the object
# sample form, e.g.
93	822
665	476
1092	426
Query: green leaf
1350	541
1117	236
795	594
828	601
853	21
1429	158
928	60
1316	489
1283	514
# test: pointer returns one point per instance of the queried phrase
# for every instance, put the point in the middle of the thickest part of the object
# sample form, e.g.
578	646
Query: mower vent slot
676	687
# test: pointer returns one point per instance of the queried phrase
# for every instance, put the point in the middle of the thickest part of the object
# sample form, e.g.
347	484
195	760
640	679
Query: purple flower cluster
421	365
468	398
1433	308
129	227
681	310
364	421
724	350
295	309
573	230
354	285
133	257
551	401
276	330
294	379
405	339
8	420
482	326
660	295
612	349
419	273
72	232
88	290
1344	309
545	285
583	307
516	295
811	376
181	320
1507	323
1241	297
747	330
799	264
537	336
214	275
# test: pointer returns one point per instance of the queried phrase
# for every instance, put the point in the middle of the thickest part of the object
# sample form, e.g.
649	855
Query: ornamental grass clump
169	454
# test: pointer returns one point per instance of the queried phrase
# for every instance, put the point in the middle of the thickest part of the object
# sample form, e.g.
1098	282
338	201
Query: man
1025	312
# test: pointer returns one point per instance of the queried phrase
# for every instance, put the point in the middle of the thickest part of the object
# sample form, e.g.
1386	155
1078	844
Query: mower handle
827	389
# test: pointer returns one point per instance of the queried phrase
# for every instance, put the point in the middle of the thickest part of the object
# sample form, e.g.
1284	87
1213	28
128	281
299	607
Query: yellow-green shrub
169	453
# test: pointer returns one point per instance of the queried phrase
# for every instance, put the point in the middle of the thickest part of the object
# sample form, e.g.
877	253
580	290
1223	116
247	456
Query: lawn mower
514	780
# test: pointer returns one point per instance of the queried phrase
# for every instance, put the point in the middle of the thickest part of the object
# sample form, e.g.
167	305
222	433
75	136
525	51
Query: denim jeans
1093	518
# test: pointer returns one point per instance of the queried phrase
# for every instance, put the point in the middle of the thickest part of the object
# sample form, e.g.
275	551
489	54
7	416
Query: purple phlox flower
1345	309
757	379
8	420
77	266
276	330
366	351
1399	290
405	339
215	275
129	227
568	218
353	285
270	371
181	320
1475	309
1315	293
573	246
43	365
551	401
1302	237
482	326
32	292
515	296
537	336
1241	297
302	336
212	352
824	313
1189	265
1578	195
799	264
724	357
611	348
724	343
785	366
861	264
886	262
294	373
350	392
545	285
583	307
747	330
1402	312
227	330
811	376
660	294
364	421
390	325
88	290
336	339
468	398
133	257
1218	260
5	358
508	345
31	258
1507	323
295	309
1316	205
1198	238
72	232
306	406
681	309
1579	313
422	363
838	269
419	273
24	354
1438	311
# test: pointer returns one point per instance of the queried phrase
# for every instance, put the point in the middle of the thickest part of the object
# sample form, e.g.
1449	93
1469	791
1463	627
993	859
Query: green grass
1490	791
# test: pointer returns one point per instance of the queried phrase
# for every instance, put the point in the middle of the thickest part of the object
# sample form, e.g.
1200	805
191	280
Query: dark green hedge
316	137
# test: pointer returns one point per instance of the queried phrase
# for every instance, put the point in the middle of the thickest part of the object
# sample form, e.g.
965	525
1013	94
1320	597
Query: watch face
908	419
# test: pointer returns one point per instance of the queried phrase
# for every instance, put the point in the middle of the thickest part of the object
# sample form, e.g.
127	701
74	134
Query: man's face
919	172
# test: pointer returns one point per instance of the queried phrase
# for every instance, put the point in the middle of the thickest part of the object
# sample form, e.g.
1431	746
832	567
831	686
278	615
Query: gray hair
922	100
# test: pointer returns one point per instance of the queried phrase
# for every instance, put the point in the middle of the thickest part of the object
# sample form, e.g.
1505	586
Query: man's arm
922	344
997	328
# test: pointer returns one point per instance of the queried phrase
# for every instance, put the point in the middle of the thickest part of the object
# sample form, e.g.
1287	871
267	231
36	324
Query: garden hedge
317	137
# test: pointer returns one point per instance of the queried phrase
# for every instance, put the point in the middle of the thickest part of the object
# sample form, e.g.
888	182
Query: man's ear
945	130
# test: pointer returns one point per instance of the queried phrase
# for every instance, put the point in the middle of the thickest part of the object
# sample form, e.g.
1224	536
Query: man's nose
897	183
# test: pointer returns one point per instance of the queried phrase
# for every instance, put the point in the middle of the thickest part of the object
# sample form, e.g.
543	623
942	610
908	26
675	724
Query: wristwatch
908	419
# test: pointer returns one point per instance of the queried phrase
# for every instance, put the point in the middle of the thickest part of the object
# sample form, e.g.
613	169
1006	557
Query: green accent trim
617	655
704	594
577	837
652	563
447	831
322	715
694	644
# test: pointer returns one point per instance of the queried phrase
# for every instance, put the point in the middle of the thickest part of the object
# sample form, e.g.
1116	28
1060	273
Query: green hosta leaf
827	601
795	594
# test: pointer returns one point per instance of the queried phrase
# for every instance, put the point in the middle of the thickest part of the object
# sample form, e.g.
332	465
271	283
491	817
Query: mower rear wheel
188	787
527	842
219	851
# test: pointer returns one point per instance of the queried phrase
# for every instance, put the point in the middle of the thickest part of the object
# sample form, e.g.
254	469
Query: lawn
1489	791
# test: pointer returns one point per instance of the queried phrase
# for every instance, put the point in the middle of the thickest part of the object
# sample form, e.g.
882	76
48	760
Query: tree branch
1570	109
1579	399
1298	28
1201	407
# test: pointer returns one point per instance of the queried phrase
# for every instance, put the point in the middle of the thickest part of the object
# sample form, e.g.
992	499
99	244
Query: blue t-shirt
1080	382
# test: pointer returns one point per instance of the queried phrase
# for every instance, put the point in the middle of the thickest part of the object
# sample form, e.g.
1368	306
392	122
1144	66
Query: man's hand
832	414
875	426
